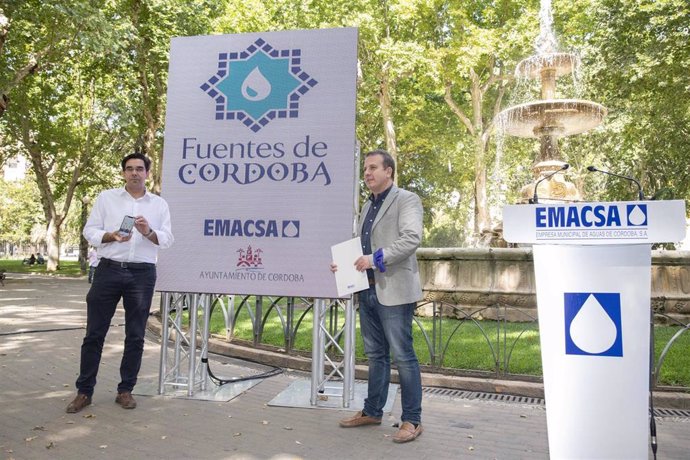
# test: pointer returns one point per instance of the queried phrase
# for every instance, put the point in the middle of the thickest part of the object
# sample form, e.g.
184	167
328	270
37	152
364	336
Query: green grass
471	346
67	267
676	367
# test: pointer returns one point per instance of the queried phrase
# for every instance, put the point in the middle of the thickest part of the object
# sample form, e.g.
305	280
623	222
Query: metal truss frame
326	338
180	367
184	347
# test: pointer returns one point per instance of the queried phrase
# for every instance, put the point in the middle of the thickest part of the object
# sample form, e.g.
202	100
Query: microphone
535	198
640	195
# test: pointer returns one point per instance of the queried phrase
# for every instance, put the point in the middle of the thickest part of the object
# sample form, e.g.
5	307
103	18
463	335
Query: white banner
594	314
596	223
259	163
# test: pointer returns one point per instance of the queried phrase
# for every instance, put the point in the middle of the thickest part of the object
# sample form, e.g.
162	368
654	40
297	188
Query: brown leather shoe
126	400
359	419
407	432
78	403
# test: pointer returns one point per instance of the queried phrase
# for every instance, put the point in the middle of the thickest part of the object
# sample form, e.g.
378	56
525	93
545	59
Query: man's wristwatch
149	233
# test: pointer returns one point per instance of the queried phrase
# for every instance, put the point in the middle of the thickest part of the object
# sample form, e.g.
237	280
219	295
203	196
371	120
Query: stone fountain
498	283
549	118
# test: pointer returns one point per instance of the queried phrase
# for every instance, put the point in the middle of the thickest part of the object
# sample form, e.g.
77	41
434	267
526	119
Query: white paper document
347	278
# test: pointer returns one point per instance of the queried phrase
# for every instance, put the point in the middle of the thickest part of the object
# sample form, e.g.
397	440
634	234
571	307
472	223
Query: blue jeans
386	330
110	284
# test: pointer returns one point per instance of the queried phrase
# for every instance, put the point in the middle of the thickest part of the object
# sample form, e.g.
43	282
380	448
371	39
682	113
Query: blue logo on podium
593	324
637	215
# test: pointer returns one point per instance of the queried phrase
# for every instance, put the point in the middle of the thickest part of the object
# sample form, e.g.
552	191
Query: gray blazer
398	230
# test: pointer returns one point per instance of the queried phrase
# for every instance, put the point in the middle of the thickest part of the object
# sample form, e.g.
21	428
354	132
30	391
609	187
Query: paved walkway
41	327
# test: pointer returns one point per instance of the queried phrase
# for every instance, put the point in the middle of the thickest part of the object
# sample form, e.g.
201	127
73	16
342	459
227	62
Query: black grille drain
498	397
681	413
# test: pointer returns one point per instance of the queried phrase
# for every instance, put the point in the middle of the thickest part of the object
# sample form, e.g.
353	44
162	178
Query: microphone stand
652	380
535	198
640	195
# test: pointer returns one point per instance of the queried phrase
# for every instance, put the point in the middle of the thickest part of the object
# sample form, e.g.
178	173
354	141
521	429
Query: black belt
132	265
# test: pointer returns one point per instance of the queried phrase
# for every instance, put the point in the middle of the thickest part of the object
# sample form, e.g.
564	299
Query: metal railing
443	332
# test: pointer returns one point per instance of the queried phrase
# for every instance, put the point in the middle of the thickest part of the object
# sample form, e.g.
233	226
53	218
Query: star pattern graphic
258	85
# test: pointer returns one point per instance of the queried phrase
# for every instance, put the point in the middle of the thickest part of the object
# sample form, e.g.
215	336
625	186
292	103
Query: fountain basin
473	279
558	117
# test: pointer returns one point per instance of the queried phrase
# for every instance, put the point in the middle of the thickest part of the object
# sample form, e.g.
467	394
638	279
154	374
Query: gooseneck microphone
640	195
535	198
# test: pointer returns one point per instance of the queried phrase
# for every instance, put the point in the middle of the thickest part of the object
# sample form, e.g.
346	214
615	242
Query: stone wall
473	279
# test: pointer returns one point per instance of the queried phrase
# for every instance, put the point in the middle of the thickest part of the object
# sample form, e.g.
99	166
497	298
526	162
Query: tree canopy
84	81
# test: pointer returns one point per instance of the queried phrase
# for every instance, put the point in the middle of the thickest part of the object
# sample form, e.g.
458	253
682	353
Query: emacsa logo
258	85
252	228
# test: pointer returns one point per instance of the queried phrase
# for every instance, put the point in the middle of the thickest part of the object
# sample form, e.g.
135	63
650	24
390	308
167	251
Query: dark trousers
110	284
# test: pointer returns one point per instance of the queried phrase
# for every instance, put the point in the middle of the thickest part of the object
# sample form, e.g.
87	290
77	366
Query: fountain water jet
549	118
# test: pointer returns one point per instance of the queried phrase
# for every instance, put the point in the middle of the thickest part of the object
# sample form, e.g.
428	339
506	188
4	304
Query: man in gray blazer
391	231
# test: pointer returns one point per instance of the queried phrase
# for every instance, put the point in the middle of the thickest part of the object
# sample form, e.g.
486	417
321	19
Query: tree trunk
48	199
481	134
83	243
387	115
482	221
152	93
152	117
53	241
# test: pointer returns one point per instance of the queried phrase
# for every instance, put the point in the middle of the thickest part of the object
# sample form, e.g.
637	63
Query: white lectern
592	265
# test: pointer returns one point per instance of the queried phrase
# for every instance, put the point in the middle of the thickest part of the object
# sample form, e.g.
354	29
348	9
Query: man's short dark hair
137	156
388	161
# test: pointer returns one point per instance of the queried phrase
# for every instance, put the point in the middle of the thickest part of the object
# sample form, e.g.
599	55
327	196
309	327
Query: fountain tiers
561	63
549	119
559	117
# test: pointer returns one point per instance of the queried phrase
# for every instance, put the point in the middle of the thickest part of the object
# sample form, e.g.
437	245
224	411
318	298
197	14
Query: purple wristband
378	260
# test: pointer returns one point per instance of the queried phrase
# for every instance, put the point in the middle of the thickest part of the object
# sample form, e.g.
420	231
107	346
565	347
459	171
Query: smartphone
126	226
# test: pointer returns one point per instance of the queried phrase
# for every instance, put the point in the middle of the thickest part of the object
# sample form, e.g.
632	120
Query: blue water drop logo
593	324
291	229
592	330
256	87
636	216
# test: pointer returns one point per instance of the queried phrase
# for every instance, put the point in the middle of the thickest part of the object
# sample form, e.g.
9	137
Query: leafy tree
480	46
83	81
151	25
58	113
34	34
20	210
638	65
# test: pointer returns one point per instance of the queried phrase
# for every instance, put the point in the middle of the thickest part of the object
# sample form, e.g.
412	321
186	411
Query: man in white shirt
127	271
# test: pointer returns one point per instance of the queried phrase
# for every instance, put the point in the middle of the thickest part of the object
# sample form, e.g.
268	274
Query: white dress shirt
111	207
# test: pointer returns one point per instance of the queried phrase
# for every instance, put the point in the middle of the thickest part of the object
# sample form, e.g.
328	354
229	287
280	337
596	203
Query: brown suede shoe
126	400
407	432
359	419
78	403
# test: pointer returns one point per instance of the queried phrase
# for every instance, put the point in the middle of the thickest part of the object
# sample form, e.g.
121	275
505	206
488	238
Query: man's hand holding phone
126	226
129	223
124	233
